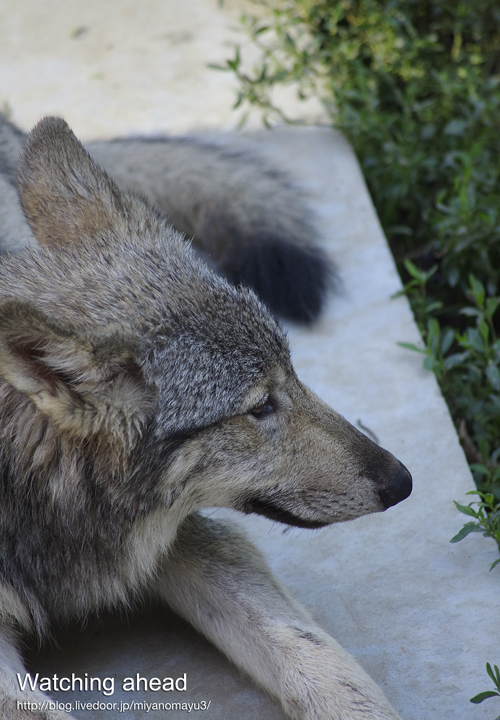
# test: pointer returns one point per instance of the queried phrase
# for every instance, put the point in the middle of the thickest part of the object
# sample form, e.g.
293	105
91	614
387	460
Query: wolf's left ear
65	196
87	386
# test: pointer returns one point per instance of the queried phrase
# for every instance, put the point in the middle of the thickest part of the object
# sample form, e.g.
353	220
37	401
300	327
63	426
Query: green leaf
428	363
432	306
447	340
474	339
477	290
412	270
467	529
484	330
465	509
492	304
494	564
456	359
411	346
453	276
493	376
456	127
495	677
433	329
482	470
470	312
483	696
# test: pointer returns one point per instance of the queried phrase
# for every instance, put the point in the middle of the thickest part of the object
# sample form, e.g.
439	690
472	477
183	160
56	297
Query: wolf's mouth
274	512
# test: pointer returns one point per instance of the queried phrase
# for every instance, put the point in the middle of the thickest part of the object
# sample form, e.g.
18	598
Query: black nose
397	487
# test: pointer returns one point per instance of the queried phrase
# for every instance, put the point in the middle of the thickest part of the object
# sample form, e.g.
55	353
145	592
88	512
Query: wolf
139	386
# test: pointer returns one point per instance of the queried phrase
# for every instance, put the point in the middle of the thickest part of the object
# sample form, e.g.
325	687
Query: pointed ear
87	386
65	196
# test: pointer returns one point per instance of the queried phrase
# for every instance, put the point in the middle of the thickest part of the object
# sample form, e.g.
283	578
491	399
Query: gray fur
138	387
11	145
15	232
247	218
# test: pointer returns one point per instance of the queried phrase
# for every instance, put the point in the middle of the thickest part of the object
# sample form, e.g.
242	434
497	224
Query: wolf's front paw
322	682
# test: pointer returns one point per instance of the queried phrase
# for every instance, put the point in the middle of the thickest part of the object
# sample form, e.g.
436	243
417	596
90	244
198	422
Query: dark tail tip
293	281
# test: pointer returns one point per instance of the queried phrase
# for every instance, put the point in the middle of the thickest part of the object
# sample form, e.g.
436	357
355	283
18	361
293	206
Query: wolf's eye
264	408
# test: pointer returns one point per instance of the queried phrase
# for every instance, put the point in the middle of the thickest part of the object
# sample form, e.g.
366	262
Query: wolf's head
124	356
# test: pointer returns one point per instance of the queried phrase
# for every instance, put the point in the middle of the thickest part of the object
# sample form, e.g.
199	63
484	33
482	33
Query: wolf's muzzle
397	487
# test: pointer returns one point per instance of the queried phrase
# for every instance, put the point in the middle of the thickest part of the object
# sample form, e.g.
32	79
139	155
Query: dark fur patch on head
292	280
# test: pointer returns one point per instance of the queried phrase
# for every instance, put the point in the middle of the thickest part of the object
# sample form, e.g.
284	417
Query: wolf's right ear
88	386
65	195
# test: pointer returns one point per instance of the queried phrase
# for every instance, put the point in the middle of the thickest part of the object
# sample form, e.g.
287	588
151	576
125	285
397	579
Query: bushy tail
11	145
255	225
14	230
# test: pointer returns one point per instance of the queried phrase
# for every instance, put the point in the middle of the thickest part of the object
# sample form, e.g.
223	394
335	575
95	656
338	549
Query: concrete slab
415	611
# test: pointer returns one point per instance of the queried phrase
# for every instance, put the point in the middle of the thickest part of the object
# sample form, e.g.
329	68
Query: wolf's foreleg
17	700
219	582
